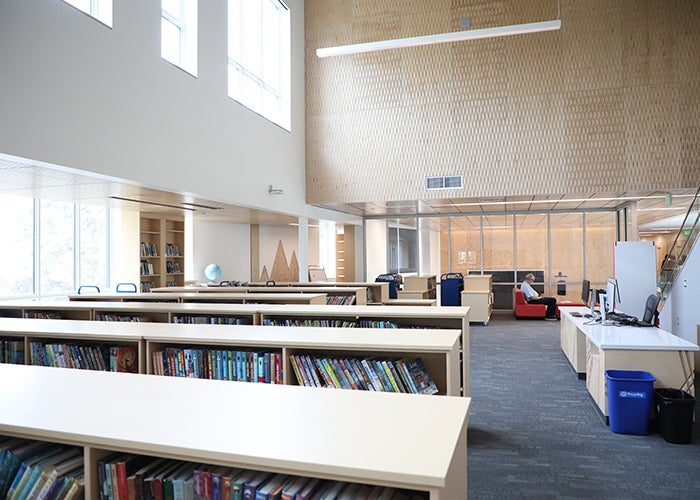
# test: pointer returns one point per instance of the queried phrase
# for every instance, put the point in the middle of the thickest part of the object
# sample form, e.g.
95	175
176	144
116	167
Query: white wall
125	248
222	243
78	94
375	248
680	313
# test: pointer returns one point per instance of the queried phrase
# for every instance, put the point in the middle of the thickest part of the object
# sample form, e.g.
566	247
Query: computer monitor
612	295
586	292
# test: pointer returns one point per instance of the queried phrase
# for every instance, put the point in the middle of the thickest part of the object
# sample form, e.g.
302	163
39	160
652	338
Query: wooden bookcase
418	287
478	296
335	295
230	427
161	251
377	292
345	254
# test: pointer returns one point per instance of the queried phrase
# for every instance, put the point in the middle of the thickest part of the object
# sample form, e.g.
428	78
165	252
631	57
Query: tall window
259	58
99	9
56	247
17	248
52	247
178	33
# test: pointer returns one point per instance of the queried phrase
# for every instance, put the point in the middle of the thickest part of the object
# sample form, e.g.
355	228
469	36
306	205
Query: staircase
682	245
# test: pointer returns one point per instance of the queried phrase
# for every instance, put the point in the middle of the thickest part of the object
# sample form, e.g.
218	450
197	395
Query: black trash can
674	412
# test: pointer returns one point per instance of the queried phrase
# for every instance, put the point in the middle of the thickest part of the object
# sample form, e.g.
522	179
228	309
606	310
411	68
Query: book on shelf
42	315
310	489
148	249
363	373
272	489
171	250
218	364
12	351
251	486
211	320
419	375
123	359
293	487
30	467
83	356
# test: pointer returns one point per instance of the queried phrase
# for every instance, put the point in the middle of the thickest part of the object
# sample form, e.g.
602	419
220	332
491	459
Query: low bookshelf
133	311
421	318
424	318
377	292
335	295
439	349
303	442
228	295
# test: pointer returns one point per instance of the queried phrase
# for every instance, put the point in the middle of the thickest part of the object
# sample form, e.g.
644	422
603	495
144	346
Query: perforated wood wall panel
611	102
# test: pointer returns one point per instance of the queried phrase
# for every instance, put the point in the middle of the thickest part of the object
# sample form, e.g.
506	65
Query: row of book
211	320
126	318
148	249
42	315
340	300
329	322
171	250
12	352
219	364
99	357
326	323
39	470
146	286
366	373
128	476
146	268
172	267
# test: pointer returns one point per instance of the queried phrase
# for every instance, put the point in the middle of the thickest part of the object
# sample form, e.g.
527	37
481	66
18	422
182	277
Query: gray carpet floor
534	432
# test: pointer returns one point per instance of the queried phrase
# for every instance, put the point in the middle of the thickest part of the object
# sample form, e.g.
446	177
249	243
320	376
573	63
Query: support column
303	249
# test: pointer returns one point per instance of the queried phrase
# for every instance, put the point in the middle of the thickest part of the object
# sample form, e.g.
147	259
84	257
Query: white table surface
383	436
626	337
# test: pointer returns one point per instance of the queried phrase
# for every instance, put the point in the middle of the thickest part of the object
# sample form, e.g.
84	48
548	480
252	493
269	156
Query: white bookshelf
243	425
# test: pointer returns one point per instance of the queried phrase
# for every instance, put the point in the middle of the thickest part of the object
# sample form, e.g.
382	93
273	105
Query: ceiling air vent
444	182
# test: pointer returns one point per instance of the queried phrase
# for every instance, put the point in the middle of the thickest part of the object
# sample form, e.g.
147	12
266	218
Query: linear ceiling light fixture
457	36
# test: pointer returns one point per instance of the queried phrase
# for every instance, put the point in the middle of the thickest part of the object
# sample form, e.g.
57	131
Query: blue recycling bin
630	397
451	287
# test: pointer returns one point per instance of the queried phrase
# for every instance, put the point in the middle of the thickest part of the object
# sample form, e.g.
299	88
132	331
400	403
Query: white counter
592	348
626	337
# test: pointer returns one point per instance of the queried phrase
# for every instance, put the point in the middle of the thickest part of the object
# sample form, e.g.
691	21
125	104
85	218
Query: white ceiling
656	210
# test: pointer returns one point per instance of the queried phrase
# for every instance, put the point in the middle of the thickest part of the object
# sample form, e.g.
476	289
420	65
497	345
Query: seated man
533	297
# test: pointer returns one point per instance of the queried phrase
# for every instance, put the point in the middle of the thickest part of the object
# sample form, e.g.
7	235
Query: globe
212	272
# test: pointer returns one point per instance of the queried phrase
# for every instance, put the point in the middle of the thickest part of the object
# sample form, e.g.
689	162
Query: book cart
275	428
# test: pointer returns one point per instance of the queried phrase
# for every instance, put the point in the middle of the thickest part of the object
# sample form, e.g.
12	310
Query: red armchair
521	309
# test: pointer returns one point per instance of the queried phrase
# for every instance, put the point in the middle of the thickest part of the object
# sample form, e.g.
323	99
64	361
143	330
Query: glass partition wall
560	248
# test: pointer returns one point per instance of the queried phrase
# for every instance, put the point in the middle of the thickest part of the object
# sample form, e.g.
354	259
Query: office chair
650	312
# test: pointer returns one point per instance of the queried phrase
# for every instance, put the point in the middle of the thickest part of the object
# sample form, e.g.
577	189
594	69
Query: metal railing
682	245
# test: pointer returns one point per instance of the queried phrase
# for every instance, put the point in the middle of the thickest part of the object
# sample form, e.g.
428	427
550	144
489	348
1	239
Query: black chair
650	312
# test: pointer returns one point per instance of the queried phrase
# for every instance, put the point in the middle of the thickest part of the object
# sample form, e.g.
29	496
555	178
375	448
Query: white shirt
528	291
